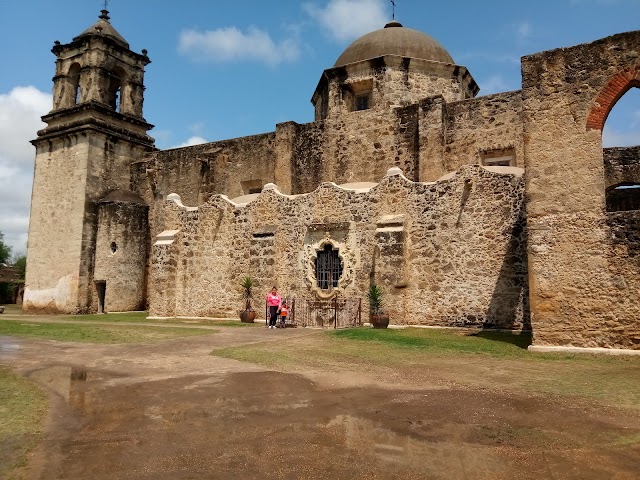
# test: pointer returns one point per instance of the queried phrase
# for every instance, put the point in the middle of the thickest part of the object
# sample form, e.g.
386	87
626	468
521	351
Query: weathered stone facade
121	253
95	131
459	238
449	252
583	265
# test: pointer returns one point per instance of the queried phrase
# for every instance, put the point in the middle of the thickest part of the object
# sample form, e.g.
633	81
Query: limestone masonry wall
460	243
199	171
582	262
56	226
621	165
481	125
362	146
307	157
121	255
406	179
407	81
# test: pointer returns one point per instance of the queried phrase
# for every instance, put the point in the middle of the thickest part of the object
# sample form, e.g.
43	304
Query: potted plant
377	318
248	315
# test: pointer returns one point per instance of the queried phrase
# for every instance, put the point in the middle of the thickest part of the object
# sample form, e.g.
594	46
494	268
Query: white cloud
191	141
617	138
493	84
524	31
349	19
20	112
231	44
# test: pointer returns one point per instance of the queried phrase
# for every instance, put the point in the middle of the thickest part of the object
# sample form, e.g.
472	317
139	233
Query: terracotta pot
379	321
247	316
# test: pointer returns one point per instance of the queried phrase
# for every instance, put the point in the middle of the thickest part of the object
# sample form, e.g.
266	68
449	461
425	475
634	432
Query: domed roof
104	27
394	39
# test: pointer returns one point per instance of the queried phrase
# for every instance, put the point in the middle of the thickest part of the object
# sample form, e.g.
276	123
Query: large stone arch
613	91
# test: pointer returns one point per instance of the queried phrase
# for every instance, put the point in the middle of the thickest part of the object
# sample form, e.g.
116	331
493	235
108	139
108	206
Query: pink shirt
273	300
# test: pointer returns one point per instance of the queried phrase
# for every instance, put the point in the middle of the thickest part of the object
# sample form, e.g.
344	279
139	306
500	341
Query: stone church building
498	211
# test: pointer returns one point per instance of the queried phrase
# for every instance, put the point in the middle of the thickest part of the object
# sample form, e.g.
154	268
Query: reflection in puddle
459	459
68	382
8	347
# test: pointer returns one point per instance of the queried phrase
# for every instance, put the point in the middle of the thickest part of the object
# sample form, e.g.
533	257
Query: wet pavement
172	411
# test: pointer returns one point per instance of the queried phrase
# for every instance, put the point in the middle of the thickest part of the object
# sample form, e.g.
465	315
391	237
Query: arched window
622	127
616	113
116	83
328	268
75	89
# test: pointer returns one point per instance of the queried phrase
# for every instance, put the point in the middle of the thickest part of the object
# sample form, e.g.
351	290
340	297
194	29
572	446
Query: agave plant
247	284
375	299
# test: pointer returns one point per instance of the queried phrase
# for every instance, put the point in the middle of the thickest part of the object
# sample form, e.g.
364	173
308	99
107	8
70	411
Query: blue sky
227	69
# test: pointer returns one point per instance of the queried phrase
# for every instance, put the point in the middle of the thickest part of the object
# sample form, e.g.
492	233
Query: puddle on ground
9	347
431	458
70	382
274	425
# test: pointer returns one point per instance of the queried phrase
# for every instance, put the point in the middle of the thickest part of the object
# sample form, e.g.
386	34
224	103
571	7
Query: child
284	311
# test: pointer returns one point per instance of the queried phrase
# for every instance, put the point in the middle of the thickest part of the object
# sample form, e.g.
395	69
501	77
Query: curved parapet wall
450	252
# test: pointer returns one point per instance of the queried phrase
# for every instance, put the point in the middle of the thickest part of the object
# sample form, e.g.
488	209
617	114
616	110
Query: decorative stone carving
347	256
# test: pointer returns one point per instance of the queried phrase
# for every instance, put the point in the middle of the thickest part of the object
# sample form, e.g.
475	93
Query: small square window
251	186
362	102
502	157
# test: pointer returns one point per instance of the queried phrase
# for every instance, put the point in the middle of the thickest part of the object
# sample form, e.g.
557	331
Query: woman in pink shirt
274	301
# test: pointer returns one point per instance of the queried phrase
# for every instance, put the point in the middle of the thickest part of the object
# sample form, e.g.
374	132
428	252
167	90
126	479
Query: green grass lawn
133	317
23	407
488	359
89	333
141	317
442	340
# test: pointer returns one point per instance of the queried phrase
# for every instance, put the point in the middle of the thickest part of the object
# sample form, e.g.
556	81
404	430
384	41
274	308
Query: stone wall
307	157
425	140
121	255
481	125
72	173
225	167
446	253
621	165
409	80
582	282
462	133
362	146
389	81
54	247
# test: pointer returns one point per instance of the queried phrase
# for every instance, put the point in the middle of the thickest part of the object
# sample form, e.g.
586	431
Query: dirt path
172	411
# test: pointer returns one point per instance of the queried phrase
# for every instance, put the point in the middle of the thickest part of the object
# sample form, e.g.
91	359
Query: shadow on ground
520	339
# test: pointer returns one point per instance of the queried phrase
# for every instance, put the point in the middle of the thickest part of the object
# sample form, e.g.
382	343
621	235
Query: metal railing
336	312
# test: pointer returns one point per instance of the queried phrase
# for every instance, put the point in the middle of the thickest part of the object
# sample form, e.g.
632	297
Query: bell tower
94	133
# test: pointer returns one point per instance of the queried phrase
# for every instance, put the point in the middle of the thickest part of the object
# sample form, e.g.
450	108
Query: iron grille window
328	268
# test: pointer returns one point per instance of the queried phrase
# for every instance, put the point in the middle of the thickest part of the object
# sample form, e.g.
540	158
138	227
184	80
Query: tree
20	262
5	250
5	253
